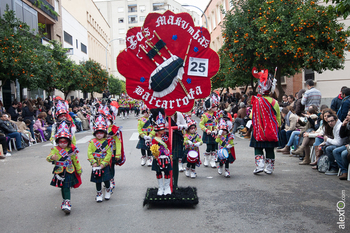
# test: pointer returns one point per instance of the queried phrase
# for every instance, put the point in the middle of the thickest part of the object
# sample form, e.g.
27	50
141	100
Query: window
120	20
121	30
142	8
56	7
142	18
283	80
68	38
76	42
158	6
132	18
83	48
132	8
218	14
309	74
120	9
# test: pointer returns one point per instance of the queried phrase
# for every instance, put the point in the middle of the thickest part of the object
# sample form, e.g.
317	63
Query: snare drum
192	156
223	154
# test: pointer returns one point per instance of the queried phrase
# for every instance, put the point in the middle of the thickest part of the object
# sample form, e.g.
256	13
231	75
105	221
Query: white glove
147	137
197	144
229	146
214	132
180	127
189	143
220	132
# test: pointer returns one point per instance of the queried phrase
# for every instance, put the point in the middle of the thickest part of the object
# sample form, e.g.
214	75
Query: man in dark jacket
13	111
345	105
336	102
340	153
7	128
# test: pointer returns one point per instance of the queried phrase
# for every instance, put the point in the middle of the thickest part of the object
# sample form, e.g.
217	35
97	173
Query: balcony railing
45	7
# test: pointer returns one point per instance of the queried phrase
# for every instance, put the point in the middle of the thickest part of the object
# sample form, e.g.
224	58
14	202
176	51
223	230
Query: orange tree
115	86
51	72
342	7
287	34
70	77
20	50
96	81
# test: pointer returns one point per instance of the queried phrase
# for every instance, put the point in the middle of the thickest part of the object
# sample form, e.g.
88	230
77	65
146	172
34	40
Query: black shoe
18	149
280	147
301	158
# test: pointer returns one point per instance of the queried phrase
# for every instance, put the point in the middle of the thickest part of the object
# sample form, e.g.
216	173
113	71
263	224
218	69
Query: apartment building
124	14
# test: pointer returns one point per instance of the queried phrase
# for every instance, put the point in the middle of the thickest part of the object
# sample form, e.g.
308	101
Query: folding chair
313	154
12	141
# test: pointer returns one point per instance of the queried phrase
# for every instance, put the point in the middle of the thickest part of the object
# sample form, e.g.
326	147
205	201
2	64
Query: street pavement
294	198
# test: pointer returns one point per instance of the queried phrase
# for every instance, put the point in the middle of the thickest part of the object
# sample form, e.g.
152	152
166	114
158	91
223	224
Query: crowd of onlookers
308	128
26	123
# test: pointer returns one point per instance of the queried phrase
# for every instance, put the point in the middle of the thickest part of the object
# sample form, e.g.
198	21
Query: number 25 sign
198	67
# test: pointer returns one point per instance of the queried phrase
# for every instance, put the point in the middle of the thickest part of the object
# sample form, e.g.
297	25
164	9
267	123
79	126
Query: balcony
46	7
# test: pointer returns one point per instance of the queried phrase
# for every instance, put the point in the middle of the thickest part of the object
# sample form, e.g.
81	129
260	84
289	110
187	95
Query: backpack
323	164
264	120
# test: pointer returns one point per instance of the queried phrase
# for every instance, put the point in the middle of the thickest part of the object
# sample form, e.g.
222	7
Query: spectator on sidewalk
284	102
345	104
39	125
312	96
28	113
298	106
7	128
13	110
340	154
336	102
3	142
241	114
332	144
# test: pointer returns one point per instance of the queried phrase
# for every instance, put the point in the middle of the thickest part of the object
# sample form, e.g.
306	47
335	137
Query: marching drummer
226	152
146	133
192	141
99	156
161	153
208	125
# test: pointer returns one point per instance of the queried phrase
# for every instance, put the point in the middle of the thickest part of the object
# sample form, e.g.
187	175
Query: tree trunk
65	95
279	85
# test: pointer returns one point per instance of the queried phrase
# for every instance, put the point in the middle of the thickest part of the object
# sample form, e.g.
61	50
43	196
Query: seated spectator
7	128
39	125
241	114
49	121
298	106
22	128
331	144
336	102
3	142
345	104
84	120
13	111
291	100
76	120
291	121
284	102
340	154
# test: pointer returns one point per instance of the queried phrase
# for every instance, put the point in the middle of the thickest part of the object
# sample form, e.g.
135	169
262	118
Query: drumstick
188	48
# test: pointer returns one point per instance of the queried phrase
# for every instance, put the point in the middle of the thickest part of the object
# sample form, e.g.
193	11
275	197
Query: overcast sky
202	4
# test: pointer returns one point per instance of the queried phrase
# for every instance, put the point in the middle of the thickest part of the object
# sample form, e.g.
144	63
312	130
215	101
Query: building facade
32	13
328	82
124	14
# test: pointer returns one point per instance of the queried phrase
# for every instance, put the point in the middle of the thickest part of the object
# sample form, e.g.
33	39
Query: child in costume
67	168
146	133
99	156
226	152
115	140
61	112
192	141
208	126
266	120
162	159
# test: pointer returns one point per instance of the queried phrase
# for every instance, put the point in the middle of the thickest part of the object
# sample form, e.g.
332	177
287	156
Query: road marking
85	139
134	137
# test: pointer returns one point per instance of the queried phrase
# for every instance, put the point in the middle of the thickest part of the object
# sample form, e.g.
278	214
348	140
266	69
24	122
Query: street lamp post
107	50
206	20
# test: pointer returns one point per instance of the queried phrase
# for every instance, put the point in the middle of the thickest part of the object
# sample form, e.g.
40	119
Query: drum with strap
192	156
223	154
